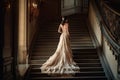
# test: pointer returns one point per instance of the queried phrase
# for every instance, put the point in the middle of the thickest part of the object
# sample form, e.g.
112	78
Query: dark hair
65	20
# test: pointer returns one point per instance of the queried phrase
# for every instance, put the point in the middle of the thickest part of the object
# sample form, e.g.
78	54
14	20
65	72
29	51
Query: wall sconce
7	5
34	5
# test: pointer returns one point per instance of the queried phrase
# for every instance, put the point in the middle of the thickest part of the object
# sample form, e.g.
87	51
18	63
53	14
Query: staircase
84	51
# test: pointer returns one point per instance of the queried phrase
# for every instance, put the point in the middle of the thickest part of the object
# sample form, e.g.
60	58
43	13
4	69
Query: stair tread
41	61
73	52
54	45
76	63
72	43
82	68
89	77
77	38
73	47
51	51
74	59
73	56
75	73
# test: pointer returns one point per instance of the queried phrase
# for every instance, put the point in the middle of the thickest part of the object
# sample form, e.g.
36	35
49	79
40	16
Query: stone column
22	38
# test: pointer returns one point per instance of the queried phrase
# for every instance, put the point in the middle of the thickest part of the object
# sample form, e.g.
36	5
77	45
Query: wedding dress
62	60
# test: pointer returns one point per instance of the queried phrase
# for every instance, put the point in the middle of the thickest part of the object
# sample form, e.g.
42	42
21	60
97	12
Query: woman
61	61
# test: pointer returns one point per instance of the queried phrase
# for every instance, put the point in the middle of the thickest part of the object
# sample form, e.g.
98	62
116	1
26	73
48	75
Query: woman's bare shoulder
61	25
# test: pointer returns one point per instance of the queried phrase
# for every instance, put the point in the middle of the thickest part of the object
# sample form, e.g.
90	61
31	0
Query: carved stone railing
111	26
112	20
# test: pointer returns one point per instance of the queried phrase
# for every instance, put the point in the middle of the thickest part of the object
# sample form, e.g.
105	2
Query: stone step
82	49
38	56
70	78
54	44
48	53
70	30
72	35
72	40
82	69
74	51
79	64
52	49
39	61
80	45
78	74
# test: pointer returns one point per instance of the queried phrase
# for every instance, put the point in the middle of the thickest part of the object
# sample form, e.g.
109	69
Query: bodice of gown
65	29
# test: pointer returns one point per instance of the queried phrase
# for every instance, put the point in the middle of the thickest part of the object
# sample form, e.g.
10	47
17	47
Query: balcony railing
112	19
110	28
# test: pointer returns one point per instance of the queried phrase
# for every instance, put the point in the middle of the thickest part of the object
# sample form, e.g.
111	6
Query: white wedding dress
62	60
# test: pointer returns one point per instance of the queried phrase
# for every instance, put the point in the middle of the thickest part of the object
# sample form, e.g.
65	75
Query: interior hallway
28	36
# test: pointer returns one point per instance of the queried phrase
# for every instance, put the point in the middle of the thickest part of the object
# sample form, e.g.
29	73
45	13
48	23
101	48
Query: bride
62	60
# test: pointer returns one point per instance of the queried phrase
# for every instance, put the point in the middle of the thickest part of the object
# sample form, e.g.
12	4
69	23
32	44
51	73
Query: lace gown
61	61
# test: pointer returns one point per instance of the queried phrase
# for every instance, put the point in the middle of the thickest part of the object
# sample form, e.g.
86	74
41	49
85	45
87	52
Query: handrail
111	37
111	9
105	24
112	21
108	34
110	40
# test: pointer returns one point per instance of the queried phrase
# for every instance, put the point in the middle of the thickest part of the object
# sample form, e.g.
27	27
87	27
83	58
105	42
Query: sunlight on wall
110	57
94	22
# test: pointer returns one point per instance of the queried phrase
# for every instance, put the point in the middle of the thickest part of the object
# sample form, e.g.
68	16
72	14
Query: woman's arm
60	29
